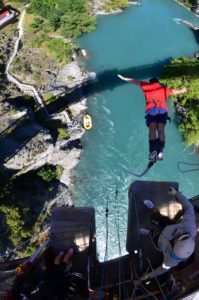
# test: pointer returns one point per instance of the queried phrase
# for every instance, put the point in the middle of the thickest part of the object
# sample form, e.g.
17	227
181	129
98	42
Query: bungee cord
150	164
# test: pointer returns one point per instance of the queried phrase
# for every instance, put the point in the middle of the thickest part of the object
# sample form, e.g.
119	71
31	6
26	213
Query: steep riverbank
40	125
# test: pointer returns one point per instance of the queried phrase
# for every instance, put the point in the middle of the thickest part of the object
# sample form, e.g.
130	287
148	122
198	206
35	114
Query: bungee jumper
156	112
176	241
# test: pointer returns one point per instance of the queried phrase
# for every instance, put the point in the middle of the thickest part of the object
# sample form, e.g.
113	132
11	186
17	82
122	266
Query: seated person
55	283
175	241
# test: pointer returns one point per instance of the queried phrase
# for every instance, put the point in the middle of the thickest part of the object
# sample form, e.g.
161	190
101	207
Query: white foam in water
93	75
106	110
177	21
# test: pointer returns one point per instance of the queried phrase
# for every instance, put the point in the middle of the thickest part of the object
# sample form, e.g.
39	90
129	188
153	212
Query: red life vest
155	94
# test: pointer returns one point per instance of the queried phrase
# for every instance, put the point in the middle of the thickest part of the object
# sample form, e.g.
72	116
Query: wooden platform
74	226
139	246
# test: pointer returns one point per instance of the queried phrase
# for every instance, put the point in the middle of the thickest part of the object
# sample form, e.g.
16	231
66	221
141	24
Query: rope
138	229
141	284
119	248
149	262
189	164
8	254
118	236
106	252
89	256
147	291
134	293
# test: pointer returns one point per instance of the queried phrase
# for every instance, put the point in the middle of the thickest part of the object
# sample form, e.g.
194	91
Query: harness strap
153	101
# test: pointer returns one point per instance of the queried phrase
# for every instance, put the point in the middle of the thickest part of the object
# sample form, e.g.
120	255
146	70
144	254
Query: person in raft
156	112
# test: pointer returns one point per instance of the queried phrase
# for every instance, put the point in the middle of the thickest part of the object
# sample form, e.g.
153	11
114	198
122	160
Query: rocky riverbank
29	139
97	7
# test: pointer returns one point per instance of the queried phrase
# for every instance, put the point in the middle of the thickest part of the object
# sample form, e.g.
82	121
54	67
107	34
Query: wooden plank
73	226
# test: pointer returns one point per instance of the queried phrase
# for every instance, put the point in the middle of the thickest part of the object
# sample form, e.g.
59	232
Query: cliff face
31	139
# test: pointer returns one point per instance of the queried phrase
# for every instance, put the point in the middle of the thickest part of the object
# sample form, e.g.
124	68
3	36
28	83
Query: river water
137	43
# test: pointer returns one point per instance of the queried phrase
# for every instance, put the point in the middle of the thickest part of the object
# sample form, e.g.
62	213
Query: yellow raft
87	121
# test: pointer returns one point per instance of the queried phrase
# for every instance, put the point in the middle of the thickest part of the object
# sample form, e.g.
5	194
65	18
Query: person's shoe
73	248
59	257
160	156
144	231
148	203
153	156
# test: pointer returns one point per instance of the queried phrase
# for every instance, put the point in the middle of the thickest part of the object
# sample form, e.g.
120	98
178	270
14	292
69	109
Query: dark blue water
136	43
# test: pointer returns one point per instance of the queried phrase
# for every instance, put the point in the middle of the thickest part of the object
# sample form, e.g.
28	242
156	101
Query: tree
73	24
73	17
47	173
184	72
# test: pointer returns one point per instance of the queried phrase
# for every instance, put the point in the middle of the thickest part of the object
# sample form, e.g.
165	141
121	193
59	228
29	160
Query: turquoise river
137	43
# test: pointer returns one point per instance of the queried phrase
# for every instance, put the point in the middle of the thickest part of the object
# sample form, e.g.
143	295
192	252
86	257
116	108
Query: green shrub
74	24
60	50
114	4
15	224
47	173
188	3
59	171
37	24
62	133
73	17
185	72
38	41
70	78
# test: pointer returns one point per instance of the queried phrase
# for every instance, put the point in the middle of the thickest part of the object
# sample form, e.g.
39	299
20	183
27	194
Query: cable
189	164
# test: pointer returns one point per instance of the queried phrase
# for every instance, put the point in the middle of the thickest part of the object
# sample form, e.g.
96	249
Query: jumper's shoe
148	203
160	156
153	156
144	231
